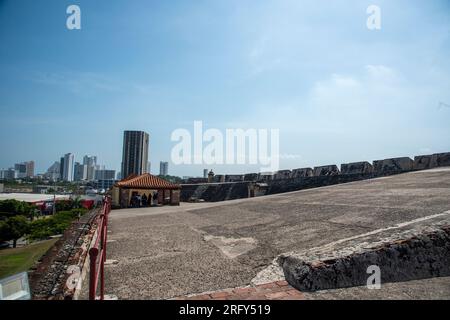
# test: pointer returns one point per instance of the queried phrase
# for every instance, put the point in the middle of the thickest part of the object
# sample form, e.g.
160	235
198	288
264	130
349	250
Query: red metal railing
97	254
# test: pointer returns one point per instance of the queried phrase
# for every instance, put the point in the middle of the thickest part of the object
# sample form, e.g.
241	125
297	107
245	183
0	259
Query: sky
337	91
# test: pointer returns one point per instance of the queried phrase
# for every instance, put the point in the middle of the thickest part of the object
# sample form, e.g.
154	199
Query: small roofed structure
155	190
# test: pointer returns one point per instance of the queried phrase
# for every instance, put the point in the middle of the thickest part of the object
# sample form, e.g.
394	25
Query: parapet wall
213	192
392	166
231	187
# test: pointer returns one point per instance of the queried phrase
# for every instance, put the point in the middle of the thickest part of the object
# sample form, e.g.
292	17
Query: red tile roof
146	181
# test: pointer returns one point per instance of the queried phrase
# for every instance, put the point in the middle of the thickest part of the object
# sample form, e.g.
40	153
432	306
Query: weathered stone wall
441	159
304	178
302	172
251	177
362	167
219	178
282	174
234	177
214	192
330	170
419	256
393	165
295	184
196	180
265	177
422	162
48	278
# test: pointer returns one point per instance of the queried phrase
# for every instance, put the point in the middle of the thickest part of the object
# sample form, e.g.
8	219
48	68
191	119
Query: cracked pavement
167	252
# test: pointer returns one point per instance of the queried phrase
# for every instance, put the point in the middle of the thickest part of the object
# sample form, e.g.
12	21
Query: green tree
13	228
11	207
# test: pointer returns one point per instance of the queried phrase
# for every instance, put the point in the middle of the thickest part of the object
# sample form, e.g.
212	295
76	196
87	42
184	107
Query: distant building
205	173
119	175
90	162
134	153
105	174
1	187
149	167
21	170
8	174
61	168
53	172
104	184
163	168
80	172
67	173
29	168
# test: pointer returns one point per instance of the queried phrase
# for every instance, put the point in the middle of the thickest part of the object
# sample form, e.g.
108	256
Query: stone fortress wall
229	187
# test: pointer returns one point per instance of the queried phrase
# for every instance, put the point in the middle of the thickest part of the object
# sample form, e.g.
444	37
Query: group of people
138	201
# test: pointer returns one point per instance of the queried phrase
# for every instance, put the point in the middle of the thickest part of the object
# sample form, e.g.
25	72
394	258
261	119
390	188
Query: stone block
282	174
302	172
441	159
251	177
330	170
265	177
362	167
423	162
393	165
234	178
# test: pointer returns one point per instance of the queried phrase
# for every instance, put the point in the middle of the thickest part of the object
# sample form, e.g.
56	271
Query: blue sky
337	91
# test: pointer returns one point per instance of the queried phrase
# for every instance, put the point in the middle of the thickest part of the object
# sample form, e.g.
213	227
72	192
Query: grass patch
15	260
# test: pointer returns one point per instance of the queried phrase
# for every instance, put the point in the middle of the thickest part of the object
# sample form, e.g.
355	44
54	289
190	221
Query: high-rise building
30	168
91	163
21	170
205	173
53	173
104	174
61	168
149	167
67	173
135	153
163	168
90	160
80	172
8	174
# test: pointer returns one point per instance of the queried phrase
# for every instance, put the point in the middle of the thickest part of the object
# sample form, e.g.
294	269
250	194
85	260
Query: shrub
56	224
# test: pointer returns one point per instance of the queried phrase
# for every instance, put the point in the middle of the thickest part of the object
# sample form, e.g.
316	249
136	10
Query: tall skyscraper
90	160
30	168
104	174
149	167
205	173
80	172
163	168
135	153
68	167
53	173
21	170
61	168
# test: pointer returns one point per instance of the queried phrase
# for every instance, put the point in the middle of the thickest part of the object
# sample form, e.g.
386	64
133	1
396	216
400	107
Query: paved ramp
173	251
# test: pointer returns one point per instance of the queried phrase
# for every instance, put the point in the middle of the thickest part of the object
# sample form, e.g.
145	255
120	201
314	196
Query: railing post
93	253
99	247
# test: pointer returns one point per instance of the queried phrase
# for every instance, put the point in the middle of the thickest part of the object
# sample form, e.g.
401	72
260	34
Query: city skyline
311	69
